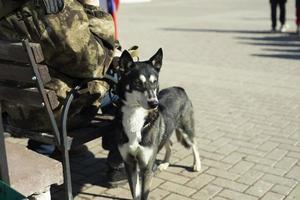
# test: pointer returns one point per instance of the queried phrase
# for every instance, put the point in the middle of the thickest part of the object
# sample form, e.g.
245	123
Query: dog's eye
138	83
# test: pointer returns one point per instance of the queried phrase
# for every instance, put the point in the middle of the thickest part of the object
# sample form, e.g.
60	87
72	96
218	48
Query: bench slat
16	52
44	73
29	97
15	72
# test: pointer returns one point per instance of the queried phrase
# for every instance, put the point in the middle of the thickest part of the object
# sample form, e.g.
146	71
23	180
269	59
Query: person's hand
53	6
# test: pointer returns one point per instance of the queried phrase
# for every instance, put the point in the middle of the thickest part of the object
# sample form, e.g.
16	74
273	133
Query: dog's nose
153	103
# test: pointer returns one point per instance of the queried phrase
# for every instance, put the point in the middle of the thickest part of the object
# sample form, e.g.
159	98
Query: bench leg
3	159
67	175
65	156
64	147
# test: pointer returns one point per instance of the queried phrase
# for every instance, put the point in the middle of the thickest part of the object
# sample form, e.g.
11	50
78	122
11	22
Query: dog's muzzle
153	104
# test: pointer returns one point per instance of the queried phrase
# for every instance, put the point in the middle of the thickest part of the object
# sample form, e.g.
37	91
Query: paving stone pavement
245	86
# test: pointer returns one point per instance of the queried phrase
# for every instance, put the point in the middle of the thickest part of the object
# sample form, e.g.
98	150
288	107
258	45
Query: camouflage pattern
78	45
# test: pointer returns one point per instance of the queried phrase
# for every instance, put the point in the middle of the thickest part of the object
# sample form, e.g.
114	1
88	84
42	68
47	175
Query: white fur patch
127	87
153	62
197	162
163	166
133	121
143	78
136	183
145	154
137	189
151	95
152	78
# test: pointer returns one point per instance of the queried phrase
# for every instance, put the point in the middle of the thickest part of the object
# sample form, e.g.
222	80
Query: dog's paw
163	166
197	167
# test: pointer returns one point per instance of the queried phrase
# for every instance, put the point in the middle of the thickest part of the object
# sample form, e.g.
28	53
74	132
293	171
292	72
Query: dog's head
139	80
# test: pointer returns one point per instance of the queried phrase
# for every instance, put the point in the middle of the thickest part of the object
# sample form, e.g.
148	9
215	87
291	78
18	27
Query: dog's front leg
132	170
147	175
166	162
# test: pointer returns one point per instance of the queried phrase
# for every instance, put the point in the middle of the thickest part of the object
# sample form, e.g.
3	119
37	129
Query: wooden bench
22	62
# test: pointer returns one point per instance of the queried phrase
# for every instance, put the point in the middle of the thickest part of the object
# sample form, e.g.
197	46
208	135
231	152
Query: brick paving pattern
245	86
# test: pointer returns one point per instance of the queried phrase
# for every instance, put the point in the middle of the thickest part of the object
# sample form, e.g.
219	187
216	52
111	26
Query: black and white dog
148	118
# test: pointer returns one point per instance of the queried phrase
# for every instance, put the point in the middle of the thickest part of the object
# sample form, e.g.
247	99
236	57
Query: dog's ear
126	62
156	60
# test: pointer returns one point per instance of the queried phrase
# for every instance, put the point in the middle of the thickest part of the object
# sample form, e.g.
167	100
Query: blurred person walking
274	5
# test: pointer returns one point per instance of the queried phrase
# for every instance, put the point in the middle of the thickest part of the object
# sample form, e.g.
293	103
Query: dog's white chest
133	122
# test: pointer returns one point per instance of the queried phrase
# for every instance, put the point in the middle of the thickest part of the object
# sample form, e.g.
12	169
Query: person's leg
298	17
298	11
39	147
116	174
282	11
273	13
283	27
298	20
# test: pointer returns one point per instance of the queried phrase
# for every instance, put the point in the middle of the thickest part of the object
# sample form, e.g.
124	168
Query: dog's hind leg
186	134
166	162
197	161
189	142
133	179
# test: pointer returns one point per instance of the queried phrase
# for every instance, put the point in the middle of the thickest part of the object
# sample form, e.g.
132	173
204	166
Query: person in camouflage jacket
78	44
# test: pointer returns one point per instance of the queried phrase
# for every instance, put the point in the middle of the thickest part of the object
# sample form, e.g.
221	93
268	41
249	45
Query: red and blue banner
113	6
